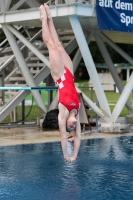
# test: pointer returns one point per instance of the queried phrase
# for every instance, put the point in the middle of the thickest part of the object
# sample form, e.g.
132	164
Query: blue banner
116	15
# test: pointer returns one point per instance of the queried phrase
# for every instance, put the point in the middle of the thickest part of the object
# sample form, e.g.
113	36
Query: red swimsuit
68	95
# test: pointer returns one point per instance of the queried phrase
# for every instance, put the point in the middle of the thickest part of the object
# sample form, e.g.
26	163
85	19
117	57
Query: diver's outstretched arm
77	139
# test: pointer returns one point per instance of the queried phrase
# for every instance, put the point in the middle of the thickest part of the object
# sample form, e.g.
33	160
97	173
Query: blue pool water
102	171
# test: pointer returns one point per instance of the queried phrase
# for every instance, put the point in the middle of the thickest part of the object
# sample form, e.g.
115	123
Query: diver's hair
69	130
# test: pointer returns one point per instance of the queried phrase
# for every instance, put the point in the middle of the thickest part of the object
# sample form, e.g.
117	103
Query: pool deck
30	135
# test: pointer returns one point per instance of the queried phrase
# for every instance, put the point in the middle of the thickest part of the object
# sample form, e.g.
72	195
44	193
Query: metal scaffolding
77	22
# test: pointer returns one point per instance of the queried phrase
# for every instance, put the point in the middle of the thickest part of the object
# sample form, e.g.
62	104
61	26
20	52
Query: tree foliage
81	72
115	56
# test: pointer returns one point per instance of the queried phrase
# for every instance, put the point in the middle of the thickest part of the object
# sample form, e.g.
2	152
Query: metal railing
24	4
68	2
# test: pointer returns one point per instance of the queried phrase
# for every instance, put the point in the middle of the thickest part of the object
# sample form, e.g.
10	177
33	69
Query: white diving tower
76	24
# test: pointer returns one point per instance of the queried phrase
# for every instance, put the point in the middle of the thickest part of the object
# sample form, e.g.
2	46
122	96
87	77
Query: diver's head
71	123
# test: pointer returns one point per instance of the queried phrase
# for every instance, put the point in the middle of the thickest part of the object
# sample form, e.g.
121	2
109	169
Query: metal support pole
123	98
4	5
50	82
112	70
128	74
17	5
116	47
78	55
15	115
2	93
90	65
24	68
92	105
29	45
54	103
25	54
33	3
91	96
97	117
23	111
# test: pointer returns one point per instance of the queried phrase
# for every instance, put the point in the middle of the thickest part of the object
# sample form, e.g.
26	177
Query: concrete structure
76	24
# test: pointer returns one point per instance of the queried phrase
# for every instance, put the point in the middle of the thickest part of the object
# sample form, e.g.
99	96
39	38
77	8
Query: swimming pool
102	171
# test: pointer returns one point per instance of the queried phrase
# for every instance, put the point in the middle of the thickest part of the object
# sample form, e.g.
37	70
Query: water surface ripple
102	171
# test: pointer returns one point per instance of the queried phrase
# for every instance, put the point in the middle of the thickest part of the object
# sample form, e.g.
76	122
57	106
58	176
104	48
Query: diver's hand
67	158
73	158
